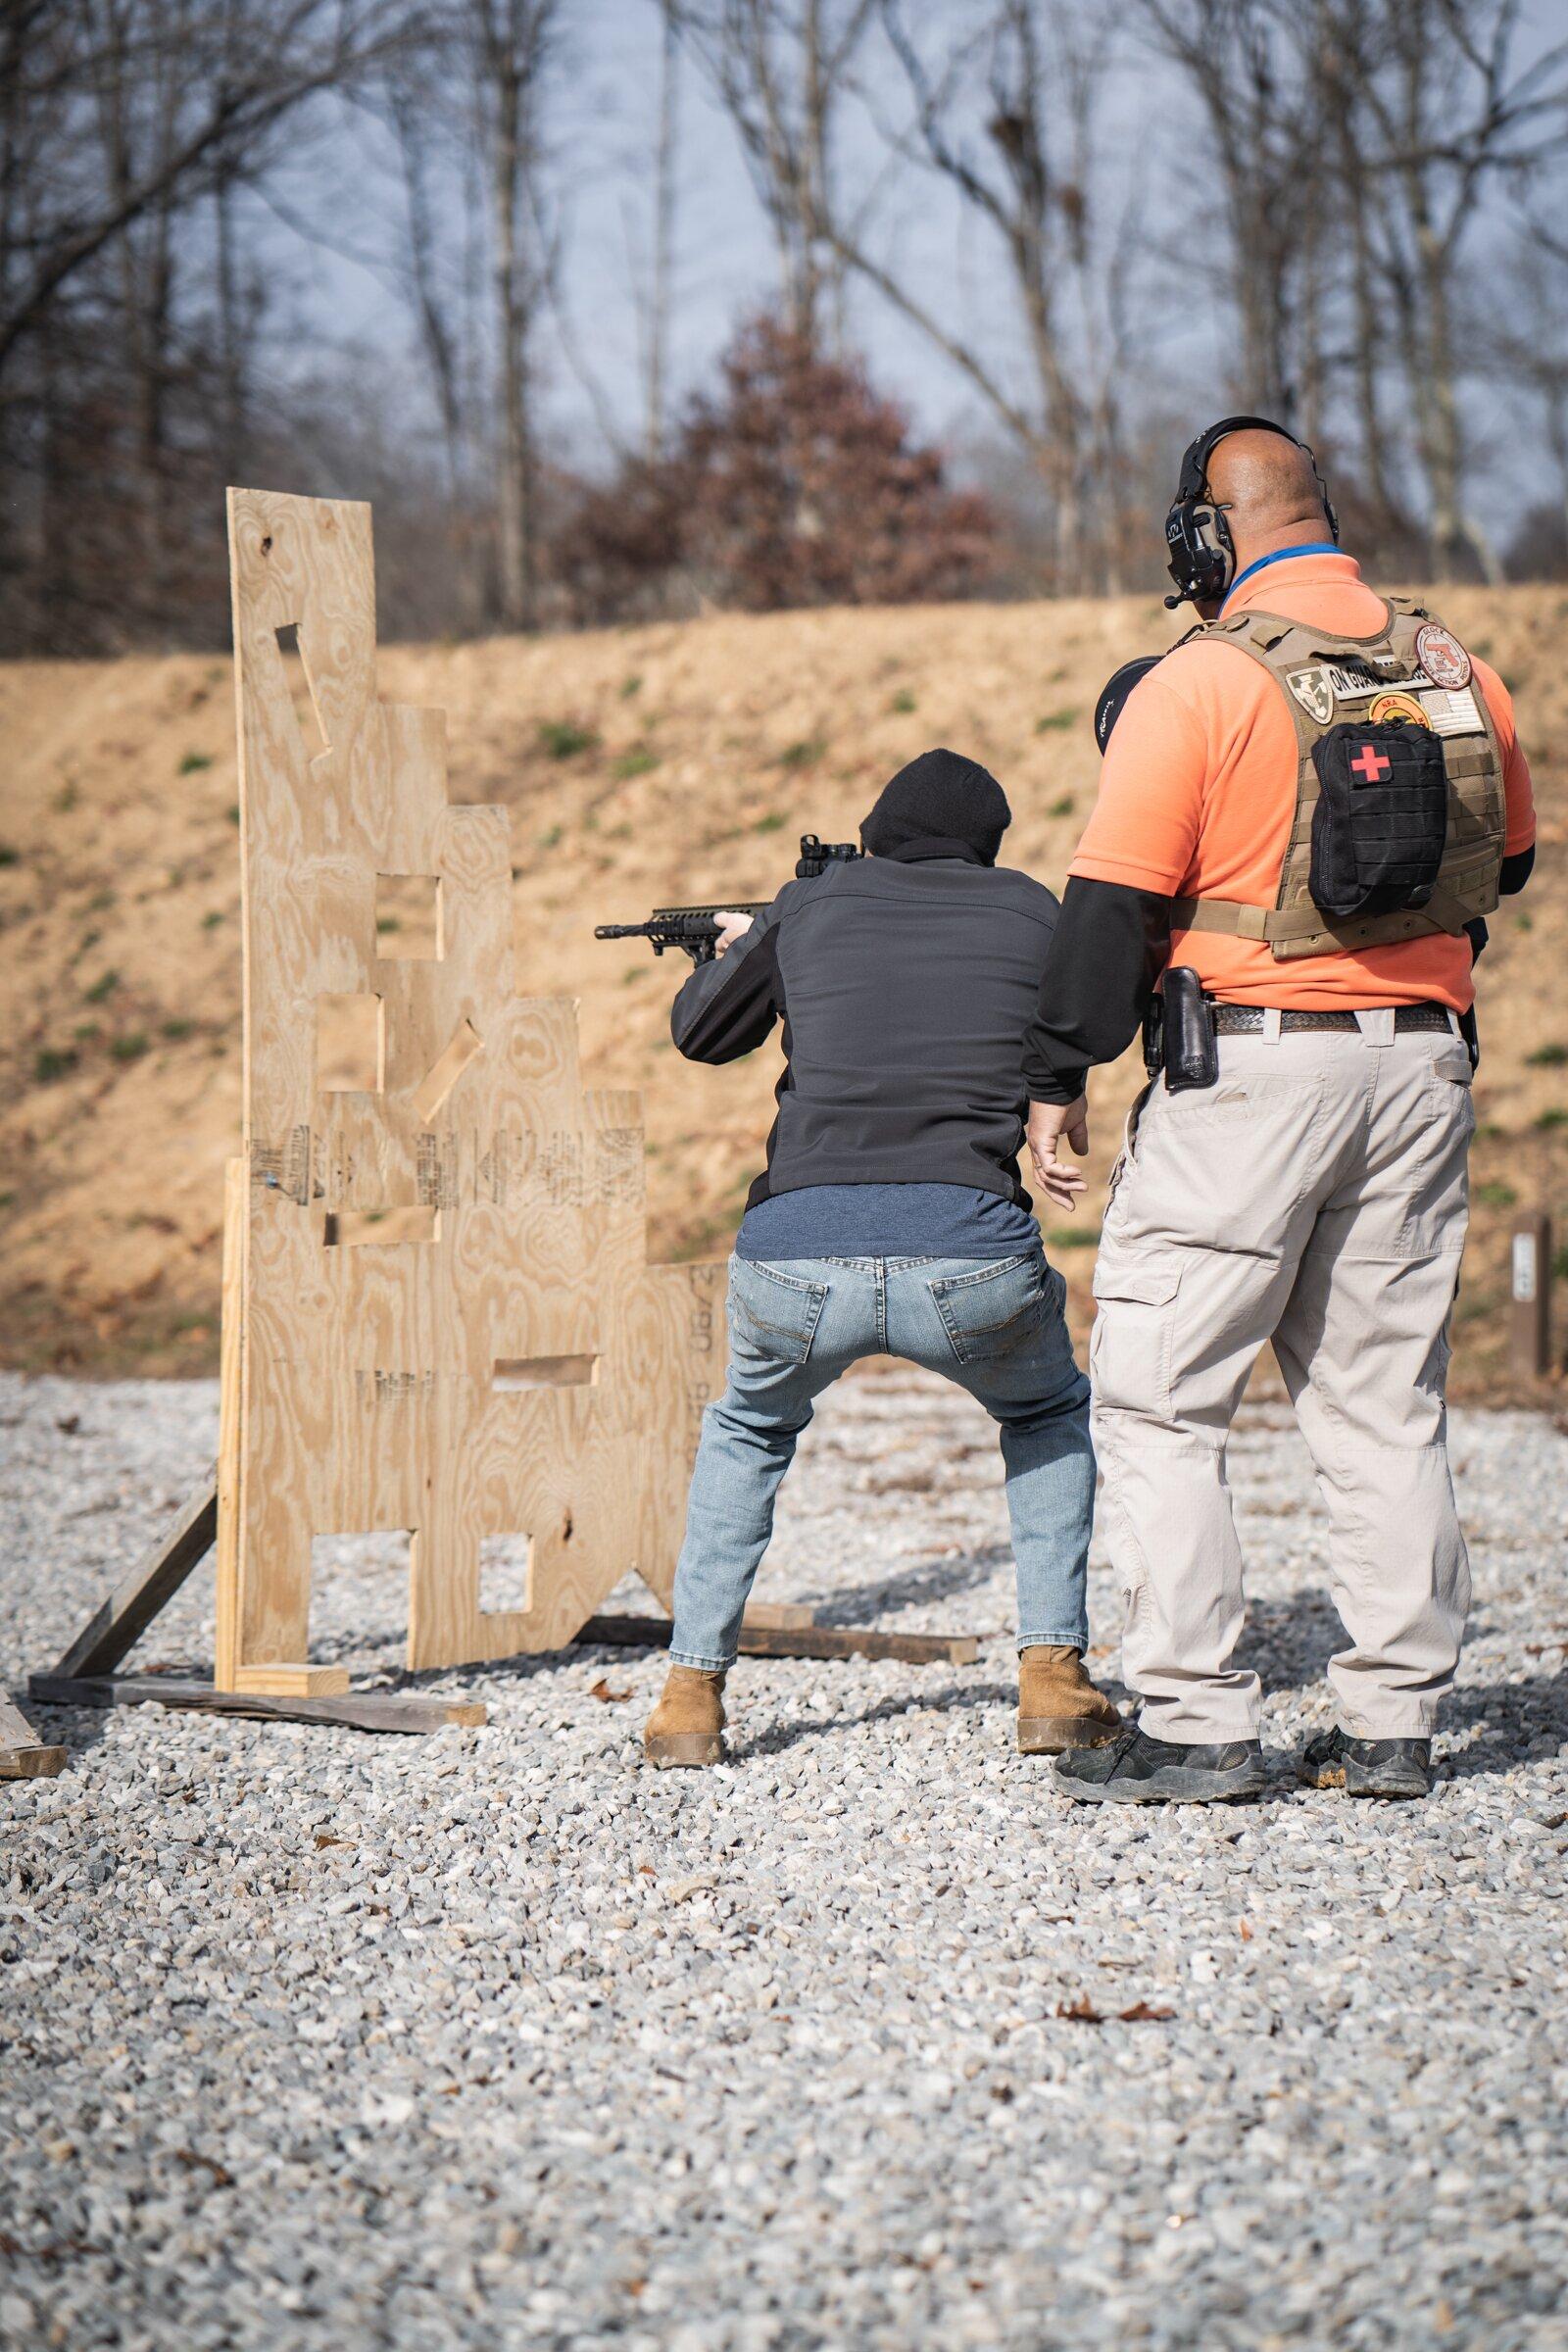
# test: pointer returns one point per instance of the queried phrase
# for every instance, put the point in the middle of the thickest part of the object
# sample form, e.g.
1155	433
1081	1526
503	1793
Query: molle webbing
1472	859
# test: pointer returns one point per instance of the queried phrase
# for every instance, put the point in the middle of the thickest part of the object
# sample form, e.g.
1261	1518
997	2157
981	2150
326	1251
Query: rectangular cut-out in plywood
384	1228
300	693
445	1071
408	918
512	1373
350	1045
506	1574
438	1310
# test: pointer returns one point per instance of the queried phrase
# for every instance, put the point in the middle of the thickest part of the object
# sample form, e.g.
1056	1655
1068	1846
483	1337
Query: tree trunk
512	322
658	303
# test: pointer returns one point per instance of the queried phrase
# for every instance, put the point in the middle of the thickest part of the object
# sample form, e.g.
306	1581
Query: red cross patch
1371	765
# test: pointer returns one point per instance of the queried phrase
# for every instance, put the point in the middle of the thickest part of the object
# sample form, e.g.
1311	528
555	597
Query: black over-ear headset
1202	553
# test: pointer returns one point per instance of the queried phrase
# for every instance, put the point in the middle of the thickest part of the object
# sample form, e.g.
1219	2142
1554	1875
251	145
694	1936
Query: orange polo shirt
1198	793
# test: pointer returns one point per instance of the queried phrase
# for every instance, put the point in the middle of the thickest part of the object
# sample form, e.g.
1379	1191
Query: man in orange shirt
1310	803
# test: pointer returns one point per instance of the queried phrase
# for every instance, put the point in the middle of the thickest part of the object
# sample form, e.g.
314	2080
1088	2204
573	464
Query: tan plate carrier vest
1326	679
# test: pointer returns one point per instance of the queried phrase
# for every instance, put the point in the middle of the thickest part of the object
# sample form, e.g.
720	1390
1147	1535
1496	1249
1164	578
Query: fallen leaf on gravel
1082	2011
1141	2013
602	1689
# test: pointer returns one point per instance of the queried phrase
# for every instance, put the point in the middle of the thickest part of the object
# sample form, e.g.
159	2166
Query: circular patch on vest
1442	655
1398	706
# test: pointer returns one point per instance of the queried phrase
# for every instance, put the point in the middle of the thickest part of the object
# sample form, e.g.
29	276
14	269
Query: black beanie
941	797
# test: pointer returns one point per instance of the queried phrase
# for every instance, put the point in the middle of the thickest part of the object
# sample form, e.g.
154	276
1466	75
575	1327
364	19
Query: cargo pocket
988	1312
1130	1345
773	1314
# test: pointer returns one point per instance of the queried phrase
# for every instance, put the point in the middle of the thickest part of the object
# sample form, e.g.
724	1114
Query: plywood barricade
438	1315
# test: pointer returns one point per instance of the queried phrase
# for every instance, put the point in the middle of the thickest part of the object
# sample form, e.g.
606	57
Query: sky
602	128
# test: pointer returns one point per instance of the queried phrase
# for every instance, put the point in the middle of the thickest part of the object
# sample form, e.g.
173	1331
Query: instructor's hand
1057	1178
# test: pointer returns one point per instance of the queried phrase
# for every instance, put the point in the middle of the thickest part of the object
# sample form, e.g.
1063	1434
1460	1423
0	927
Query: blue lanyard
1281	555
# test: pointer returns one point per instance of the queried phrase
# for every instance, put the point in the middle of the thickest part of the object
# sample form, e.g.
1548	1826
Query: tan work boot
1059	1707
687	1727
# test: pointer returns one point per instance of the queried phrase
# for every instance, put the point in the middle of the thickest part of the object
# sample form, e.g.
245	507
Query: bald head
1270	491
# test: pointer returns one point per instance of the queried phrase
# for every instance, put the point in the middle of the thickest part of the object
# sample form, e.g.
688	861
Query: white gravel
498	2038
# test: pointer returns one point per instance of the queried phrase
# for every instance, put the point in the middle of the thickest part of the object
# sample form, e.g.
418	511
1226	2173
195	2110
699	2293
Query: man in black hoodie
889	1217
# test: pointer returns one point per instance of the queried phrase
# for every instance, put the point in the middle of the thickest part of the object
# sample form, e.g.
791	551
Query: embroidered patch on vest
1398	706
1442	655
1314	693
1453	713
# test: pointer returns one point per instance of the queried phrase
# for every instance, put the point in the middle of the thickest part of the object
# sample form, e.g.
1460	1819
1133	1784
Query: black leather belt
1235	1020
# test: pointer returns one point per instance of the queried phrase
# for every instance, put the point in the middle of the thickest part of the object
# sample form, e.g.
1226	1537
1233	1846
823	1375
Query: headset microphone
1202	553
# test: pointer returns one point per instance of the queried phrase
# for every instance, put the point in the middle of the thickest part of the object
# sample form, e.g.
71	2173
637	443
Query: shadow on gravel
937	1580
78	1730
1290	1643
1505	1724
1287	1644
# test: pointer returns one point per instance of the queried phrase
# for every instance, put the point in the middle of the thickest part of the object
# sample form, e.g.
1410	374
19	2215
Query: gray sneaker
1136	1770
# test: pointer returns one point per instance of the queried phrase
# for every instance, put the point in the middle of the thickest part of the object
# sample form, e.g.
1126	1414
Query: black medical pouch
1381	821
1190	1056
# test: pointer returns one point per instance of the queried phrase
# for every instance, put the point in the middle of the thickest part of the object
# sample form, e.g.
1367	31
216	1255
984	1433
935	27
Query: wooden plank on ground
23	1757
114	1631
361	1710
798	1642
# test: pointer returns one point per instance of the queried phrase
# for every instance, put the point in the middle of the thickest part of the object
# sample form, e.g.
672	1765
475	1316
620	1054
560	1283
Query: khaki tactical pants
1317	1197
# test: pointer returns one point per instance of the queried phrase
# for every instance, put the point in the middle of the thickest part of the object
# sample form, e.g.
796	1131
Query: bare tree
782	68
229	76
511	43
1354	269
655	312
1029	78
1444	110
1264	133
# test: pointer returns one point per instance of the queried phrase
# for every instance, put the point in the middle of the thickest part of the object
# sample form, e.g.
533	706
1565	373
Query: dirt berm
639	764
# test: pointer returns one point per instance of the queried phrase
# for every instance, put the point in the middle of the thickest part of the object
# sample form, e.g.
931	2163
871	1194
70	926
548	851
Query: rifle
695	929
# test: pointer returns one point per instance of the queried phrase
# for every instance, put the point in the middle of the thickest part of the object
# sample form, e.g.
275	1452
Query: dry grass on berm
677	761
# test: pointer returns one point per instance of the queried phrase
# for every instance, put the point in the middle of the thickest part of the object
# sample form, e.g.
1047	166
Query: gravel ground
497	2039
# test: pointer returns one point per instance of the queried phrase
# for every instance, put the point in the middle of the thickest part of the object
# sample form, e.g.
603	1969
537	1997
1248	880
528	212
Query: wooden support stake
361	1710
796	1642
293	1680
23	1757
1530	1316
114	1631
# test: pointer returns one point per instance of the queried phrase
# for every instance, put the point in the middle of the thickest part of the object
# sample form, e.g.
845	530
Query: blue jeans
997	1328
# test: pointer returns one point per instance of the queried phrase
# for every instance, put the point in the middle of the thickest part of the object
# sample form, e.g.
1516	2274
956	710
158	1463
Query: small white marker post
1530	1286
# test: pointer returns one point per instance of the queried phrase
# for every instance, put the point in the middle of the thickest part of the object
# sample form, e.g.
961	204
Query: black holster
1188	1053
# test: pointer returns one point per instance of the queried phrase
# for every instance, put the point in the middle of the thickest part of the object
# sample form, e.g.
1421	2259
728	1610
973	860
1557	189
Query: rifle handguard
695	929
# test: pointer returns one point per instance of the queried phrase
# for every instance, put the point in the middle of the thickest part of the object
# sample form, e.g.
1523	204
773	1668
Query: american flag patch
1452	712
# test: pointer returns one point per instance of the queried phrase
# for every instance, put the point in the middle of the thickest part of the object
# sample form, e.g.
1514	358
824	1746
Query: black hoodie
905	985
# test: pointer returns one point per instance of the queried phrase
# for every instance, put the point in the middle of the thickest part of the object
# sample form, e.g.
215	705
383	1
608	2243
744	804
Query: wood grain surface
361	1387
